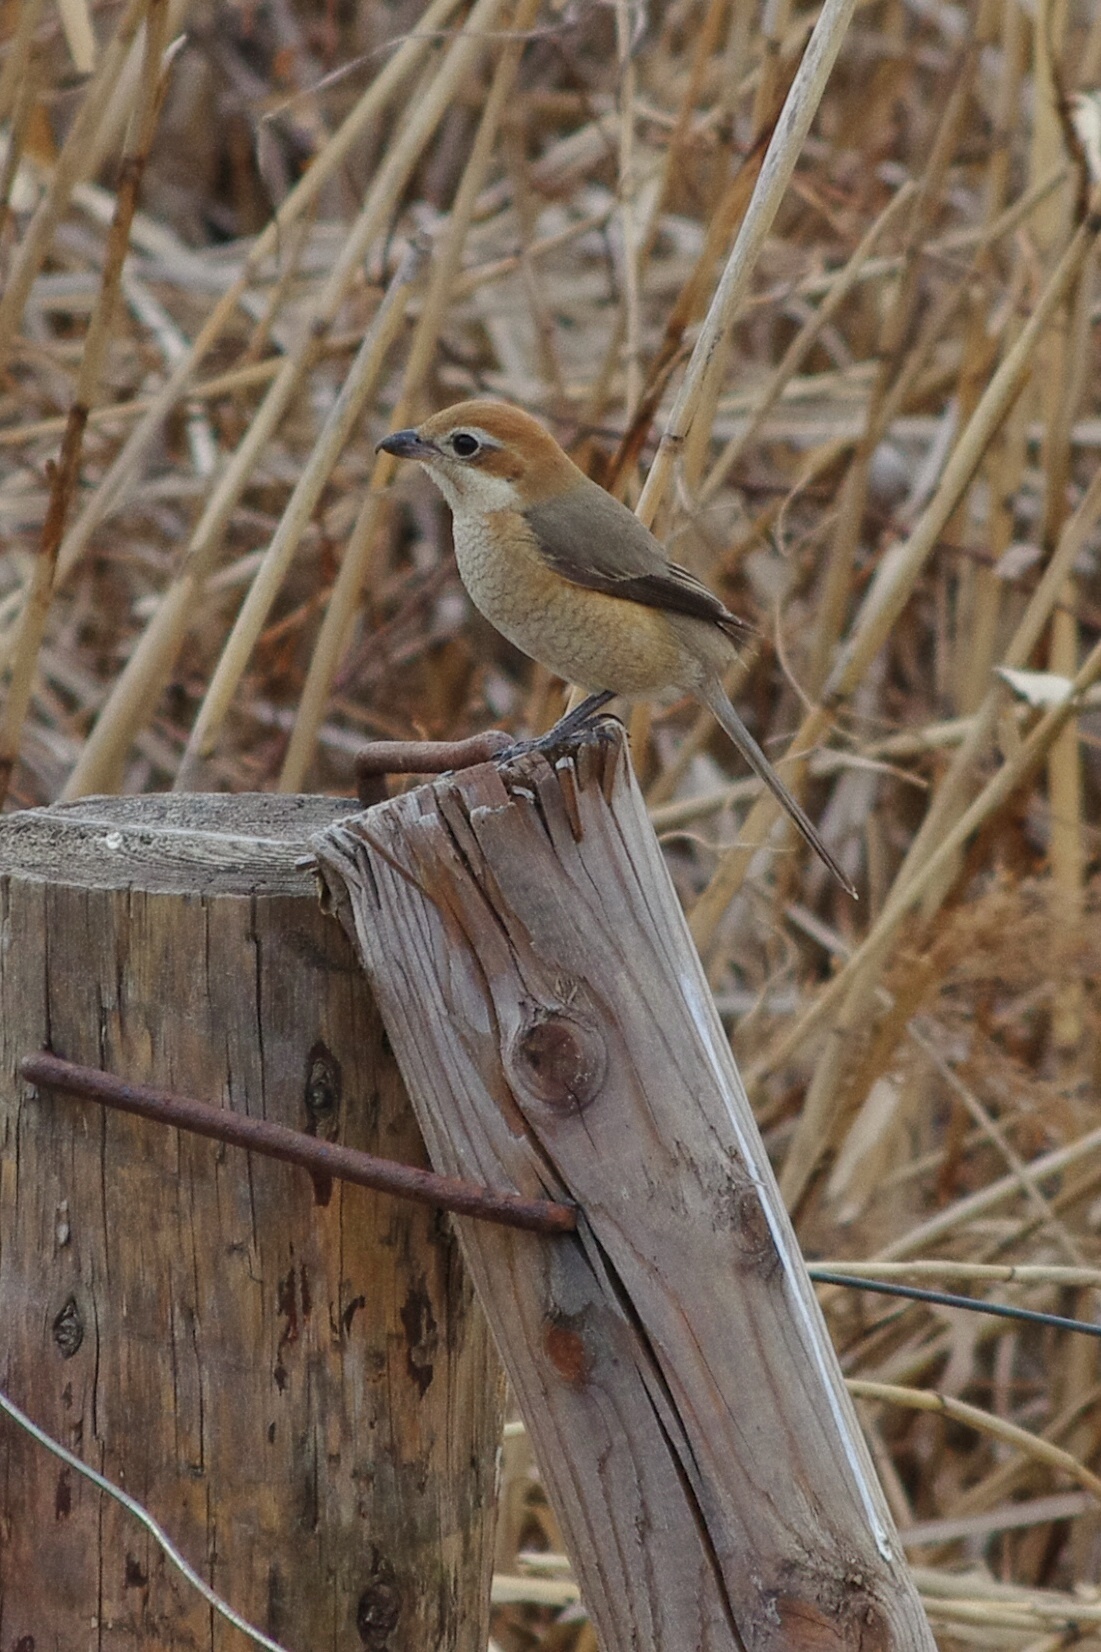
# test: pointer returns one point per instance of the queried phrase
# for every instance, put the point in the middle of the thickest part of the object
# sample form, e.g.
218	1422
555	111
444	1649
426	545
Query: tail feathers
714	697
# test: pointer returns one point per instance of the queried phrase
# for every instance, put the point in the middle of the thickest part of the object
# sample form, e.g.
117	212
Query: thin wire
946	1299
145	1518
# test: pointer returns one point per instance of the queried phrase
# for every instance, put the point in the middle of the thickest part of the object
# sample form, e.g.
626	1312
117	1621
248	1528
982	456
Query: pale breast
597	641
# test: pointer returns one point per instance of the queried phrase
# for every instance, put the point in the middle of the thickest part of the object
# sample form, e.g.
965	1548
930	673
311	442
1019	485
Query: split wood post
557	1035
293	1378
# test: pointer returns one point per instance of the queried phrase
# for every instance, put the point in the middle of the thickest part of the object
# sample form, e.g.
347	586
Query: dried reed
816	291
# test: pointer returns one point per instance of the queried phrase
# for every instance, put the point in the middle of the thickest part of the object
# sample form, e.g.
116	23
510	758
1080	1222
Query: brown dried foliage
896	446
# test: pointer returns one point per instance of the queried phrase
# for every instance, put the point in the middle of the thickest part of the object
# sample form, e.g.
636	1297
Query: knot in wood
68	1328
558	1060
321	1093
851	1622
567	1351
750	1226
379	1606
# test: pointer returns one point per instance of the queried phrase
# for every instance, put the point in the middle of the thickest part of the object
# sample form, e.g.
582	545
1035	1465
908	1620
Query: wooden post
292	1377
556	1032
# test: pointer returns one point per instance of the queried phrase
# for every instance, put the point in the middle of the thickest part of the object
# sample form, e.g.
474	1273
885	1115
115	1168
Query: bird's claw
582	717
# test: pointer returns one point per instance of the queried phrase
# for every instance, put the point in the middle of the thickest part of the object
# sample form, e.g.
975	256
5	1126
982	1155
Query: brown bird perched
575	580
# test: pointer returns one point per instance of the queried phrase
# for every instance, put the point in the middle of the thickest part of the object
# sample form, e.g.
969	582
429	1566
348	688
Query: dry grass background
891	470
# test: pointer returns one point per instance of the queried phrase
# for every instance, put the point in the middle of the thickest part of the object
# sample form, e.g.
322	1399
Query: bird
574	580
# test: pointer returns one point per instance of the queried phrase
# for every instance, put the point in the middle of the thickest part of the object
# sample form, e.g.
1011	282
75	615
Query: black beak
405	444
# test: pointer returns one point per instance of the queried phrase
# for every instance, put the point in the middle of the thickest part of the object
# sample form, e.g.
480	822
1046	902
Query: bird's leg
571	723
579	716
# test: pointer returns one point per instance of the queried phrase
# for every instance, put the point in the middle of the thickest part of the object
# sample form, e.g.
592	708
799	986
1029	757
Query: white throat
473	492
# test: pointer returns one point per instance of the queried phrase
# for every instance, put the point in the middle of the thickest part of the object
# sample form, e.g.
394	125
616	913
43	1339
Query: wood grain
294	1378
556	1033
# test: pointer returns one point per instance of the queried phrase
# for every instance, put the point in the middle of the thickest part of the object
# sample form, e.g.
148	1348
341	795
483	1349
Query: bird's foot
572	723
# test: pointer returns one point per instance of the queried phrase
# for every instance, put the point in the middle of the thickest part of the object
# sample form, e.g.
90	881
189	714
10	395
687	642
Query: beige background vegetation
890	469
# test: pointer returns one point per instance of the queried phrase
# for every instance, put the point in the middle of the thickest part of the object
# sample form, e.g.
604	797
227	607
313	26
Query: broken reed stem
63	483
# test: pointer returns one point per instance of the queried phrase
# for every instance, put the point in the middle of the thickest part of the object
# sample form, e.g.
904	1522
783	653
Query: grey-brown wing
592	540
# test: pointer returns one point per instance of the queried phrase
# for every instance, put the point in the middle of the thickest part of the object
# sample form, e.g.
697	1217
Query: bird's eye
464	445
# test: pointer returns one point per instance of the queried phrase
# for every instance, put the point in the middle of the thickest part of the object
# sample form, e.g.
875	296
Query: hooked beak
405	444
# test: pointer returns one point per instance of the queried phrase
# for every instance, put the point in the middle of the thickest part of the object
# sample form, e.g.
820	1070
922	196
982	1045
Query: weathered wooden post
557	1035
292	1376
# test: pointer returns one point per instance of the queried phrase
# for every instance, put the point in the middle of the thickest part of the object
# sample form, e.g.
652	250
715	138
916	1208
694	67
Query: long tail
714	697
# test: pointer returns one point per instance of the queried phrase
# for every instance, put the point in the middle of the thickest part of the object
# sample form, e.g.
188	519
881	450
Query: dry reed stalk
856	980
879	611
1059	385
992	1130
888	392
926	1400
868	959
32	623
630	247
356	566
375	100
687	308
981	602
702	59
886	756
787	141
897	573
931	1023
77	28
804	341
20	88
1068	834
152	662
1008	1477
774	25
20	53
936	1229
40	232
360	383
109	135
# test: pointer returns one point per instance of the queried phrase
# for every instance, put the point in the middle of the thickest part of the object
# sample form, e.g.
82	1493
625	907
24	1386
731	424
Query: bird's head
484	456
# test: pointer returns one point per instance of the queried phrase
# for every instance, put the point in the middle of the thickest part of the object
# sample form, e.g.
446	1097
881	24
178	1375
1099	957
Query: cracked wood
293	1376
557	1036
